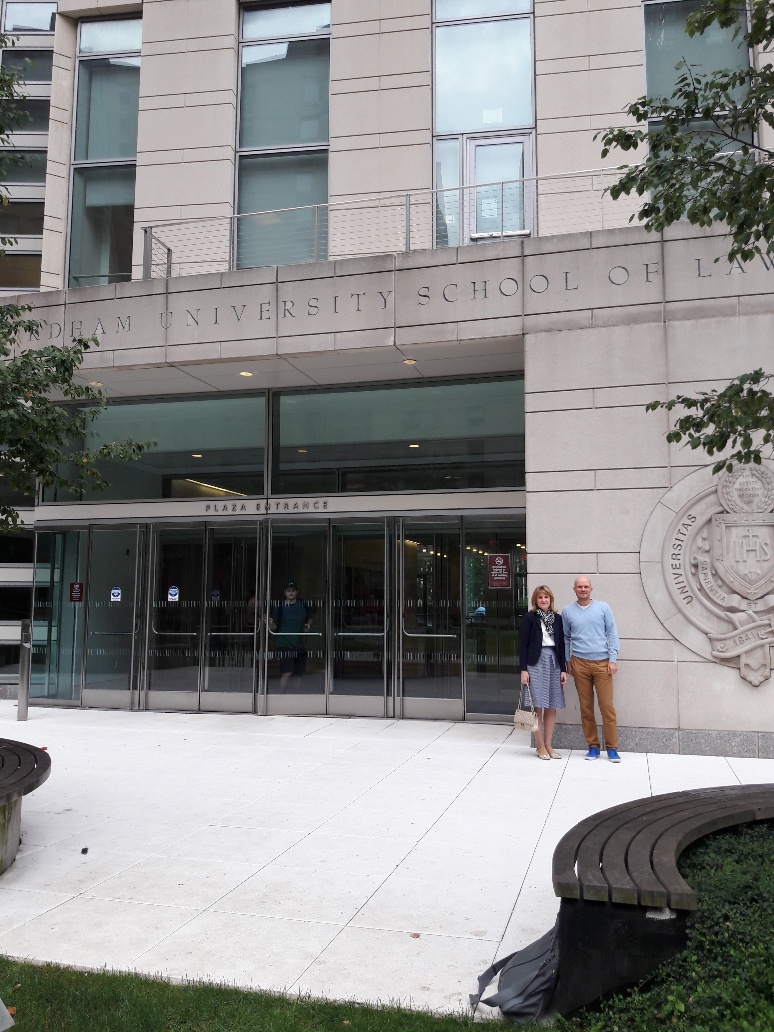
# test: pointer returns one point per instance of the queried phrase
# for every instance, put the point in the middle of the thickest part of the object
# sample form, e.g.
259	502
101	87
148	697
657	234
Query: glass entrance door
495	564
113	608
296	619
359	630
230	620
175	620
430	620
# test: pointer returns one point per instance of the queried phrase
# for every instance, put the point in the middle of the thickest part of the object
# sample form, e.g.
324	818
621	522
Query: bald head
582	588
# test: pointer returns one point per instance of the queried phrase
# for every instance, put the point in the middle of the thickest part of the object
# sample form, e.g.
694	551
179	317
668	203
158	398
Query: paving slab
375	860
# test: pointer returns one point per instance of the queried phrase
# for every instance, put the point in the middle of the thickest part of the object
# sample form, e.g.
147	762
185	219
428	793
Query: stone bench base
10	831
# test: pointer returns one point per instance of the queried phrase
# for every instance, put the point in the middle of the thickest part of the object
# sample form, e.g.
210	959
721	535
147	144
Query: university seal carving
713	583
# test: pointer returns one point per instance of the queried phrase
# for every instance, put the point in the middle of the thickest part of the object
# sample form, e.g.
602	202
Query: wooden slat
628	853
565	879
23	768
672	843
615	856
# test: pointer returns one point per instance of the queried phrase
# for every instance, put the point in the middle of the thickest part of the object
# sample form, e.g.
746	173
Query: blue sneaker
593	753
612	755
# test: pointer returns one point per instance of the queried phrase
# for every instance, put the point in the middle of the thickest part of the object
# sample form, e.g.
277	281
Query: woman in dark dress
543	667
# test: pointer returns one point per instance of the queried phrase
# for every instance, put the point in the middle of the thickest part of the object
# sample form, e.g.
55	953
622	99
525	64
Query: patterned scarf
548	620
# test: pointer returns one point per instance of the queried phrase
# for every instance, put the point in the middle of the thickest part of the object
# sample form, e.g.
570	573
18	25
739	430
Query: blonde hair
542	589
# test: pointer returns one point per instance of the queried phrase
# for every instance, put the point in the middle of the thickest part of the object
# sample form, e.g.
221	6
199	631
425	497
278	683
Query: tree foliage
42	439
741	416
705	161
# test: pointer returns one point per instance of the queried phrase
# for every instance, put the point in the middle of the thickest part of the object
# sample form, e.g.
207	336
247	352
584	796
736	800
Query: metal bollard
25	655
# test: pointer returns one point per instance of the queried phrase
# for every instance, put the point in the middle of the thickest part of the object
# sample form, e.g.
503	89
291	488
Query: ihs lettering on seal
728	582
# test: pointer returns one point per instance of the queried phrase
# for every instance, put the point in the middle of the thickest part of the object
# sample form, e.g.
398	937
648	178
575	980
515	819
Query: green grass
723	982
54	999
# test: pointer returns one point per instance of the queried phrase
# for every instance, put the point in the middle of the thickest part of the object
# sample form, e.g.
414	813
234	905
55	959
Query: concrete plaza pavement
373	860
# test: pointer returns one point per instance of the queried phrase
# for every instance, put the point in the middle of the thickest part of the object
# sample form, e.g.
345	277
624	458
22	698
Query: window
283	134
484	118
105	152
23	167
28	116
667	44
29	17
439	437
205	448
20	271
30	65
21	218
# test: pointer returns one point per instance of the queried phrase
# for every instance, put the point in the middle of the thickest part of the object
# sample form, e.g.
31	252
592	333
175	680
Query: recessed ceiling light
302	451
245	374
413	446
95	383
409	361
196	455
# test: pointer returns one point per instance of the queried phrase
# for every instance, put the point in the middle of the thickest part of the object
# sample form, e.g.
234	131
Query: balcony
387	223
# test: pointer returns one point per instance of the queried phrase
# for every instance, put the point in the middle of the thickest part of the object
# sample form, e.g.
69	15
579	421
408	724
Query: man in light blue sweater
591	644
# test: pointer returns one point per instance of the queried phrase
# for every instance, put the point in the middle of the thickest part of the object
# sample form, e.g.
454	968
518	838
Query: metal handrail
378	223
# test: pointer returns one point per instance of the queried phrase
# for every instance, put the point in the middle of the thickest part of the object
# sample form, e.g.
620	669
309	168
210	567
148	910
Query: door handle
230	634
296	634
359	634
175	634
408	635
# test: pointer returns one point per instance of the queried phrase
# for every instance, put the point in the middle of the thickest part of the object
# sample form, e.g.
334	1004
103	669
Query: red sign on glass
499	571
76	591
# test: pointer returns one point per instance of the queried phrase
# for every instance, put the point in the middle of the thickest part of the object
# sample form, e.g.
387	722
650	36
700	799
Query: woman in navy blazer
542	665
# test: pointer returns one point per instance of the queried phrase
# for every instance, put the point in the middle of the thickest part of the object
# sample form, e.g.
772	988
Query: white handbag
525	719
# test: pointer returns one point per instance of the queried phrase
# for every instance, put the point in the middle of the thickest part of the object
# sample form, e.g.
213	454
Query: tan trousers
589	674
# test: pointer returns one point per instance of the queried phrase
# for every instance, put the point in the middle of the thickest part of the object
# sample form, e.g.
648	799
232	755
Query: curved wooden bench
625	906
23	768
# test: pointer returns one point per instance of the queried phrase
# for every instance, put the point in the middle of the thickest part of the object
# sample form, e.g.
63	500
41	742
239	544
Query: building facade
352	267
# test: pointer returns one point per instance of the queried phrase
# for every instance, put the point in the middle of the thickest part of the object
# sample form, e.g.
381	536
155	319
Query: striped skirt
544	685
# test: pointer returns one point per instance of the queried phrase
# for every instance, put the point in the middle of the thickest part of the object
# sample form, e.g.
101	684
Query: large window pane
294	183
439	437
20	270
107	106
666	44
31	65
483	76
30	116
29	17
24	167
115	36
102	226
275	22
205	448
285	94
447	10
21	219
